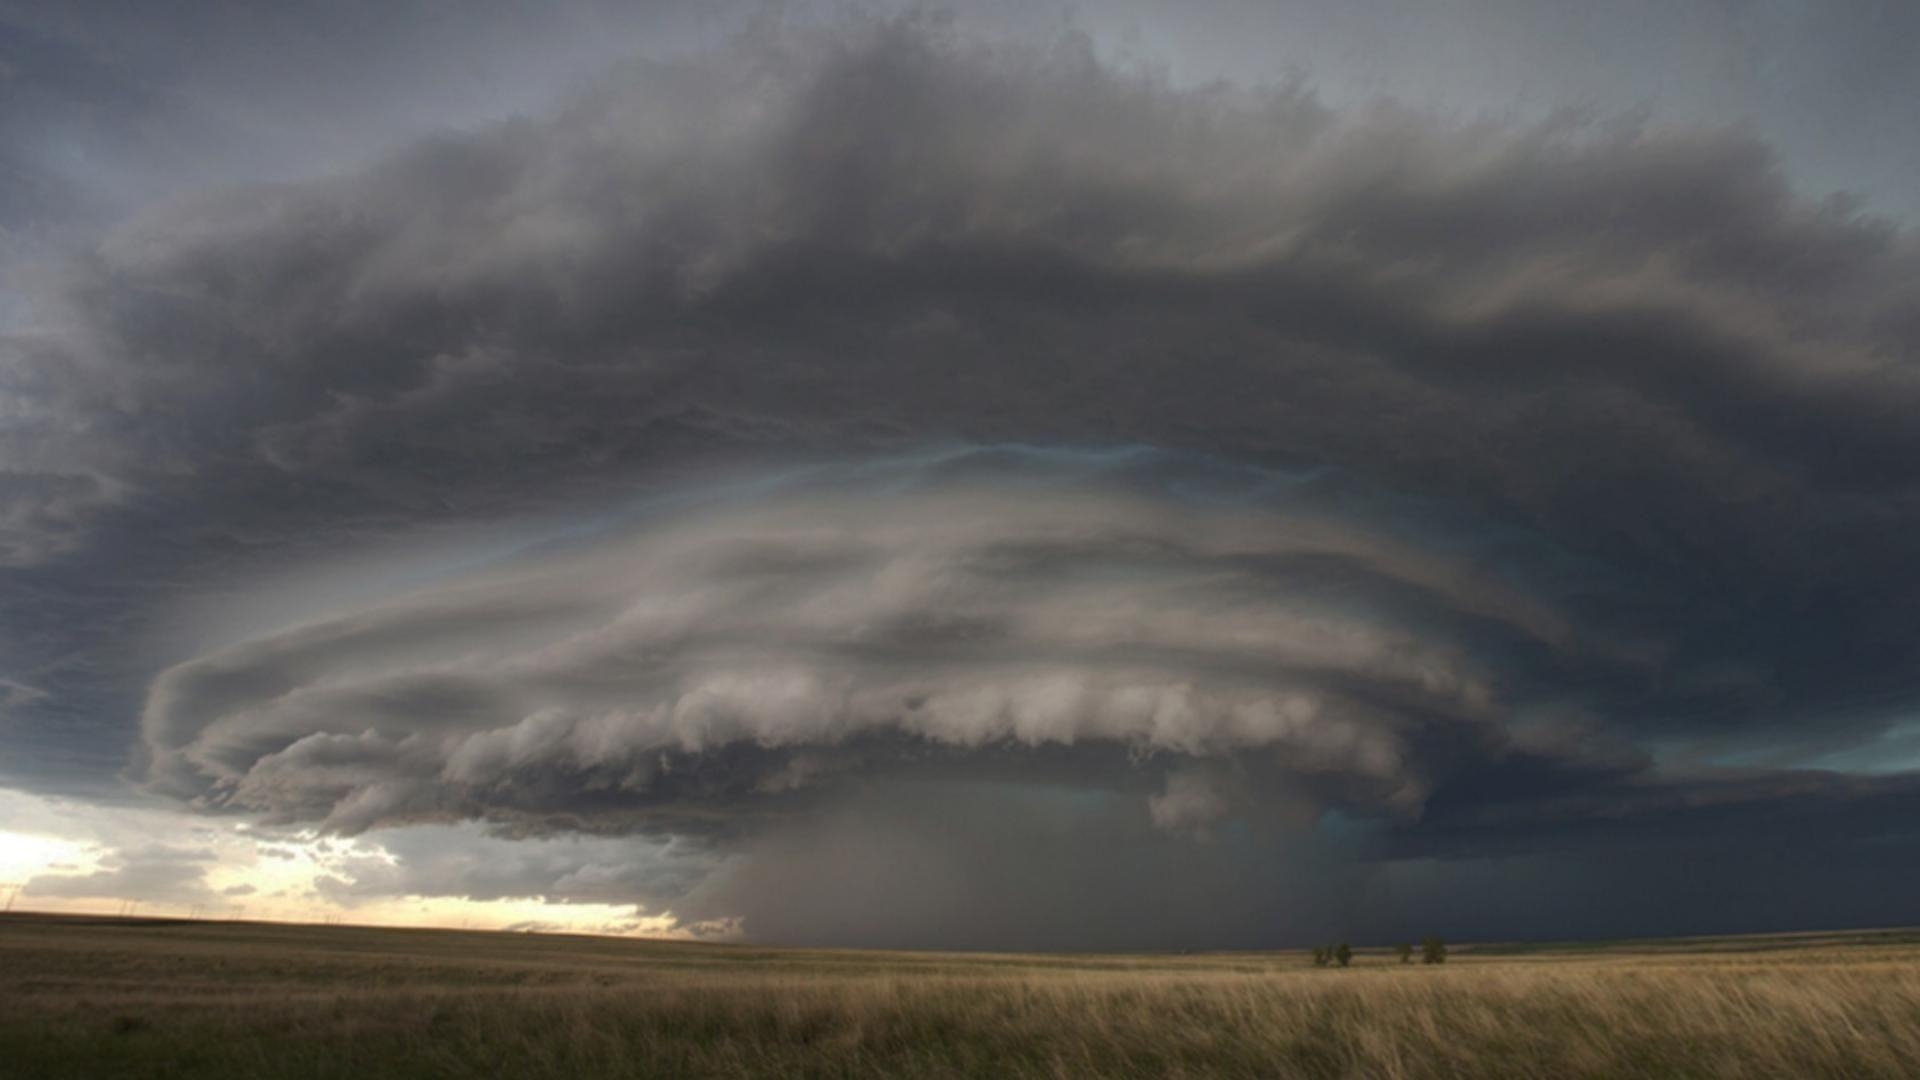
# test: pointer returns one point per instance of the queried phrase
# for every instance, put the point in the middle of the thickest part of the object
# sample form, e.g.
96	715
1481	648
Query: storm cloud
962	617
876	410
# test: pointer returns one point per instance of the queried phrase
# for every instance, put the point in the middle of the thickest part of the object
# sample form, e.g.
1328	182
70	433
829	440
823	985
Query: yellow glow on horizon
25	855
503	914
263	876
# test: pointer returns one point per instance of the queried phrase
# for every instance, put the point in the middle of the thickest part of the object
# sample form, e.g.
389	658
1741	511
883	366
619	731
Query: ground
102	998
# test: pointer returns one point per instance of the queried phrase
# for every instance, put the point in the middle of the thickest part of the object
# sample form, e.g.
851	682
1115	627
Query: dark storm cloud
946	863
1132	651
1618	473
752	649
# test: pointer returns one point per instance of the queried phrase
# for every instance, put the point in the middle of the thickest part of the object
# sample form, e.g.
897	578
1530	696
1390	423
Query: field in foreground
90	997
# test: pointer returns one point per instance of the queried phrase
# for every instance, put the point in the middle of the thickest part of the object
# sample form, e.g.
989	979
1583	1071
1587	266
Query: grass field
98	998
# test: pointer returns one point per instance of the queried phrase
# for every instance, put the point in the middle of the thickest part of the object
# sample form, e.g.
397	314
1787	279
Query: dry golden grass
107	998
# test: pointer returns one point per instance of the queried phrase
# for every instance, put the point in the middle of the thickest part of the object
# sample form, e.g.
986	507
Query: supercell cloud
744	655
909	488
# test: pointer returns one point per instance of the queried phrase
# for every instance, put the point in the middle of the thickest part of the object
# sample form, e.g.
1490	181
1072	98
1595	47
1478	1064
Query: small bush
1433	951
1320	956
1343	954
1404	951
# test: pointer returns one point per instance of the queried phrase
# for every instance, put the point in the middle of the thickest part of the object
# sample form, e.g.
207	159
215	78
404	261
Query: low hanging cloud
1496	488
1151	646
753	653
467	863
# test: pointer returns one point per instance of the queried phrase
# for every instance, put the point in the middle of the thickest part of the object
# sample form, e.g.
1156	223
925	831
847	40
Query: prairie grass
130	998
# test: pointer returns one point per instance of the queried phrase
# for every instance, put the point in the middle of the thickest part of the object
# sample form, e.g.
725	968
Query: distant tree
1343	954
1320	956
1433	951
1404	951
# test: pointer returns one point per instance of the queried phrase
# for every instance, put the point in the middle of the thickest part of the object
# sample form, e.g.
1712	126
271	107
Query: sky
1109	476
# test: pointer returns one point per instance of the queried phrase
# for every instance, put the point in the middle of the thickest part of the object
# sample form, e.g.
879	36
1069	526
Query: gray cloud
867	660
953	862
781	636
568	869
847	221
1193	800
152	875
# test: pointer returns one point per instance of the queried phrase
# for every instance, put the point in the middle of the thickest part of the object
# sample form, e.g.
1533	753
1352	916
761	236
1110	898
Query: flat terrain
98	998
